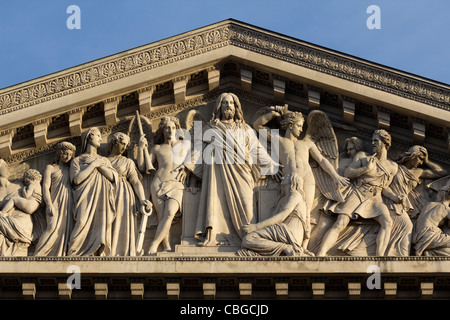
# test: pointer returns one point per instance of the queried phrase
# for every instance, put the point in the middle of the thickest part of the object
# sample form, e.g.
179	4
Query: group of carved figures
354	203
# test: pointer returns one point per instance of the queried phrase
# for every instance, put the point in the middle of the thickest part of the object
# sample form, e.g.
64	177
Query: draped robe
230	168
94	211
54	240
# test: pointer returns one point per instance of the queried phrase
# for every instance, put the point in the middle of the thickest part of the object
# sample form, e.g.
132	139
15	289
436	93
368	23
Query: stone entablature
193	278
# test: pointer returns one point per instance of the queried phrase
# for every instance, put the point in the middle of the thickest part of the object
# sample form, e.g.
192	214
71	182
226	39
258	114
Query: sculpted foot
207	240
289	250
152	251
308	253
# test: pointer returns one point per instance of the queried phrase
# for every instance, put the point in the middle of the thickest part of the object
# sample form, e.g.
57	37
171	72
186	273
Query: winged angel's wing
134	132
320	131
16	172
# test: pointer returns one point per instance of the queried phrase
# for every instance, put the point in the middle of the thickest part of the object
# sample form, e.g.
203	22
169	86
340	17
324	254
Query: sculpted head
293	121
380	139
119	143
65	151
167	128
31	175
91	137
353	145
292	182
228	107
414	157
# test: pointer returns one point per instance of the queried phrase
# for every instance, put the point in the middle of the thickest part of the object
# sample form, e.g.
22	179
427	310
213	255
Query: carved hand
249	228
181	175
399	198
146	207
143	142
342	181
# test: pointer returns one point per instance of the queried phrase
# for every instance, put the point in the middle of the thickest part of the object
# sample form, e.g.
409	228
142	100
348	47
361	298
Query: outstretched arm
326	166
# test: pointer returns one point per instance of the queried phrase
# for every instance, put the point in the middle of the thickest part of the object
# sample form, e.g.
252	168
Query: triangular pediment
188	72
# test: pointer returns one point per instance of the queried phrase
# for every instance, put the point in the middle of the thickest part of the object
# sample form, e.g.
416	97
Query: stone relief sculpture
409	175
58	198
16	225
284	232
365	203
295	155
94	180
371	176
168	155
429	238
29	197
129	200
232	159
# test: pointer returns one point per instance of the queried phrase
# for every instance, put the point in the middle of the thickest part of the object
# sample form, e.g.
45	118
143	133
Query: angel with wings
166	159
313	158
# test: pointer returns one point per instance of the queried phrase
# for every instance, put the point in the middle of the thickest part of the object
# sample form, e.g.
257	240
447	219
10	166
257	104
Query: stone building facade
183	77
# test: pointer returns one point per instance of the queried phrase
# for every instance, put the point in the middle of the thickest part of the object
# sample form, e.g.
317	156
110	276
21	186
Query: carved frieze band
113	70
211	39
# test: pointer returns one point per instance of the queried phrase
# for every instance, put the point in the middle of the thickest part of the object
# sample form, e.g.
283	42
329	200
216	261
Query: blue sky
35	40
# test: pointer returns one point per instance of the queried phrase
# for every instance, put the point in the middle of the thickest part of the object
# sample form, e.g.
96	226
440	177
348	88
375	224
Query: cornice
228	32
342	66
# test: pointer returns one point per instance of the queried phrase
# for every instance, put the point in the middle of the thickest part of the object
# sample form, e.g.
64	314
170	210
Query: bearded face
227	108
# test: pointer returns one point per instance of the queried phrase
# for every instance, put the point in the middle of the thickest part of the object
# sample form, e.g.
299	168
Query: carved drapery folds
411	190
396	193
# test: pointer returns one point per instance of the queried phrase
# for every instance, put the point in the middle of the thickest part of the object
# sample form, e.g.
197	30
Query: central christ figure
233	159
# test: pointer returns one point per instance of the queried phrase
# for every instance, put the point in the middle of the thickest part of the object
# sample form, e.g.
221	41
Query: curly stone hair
290	118
32	174
61	147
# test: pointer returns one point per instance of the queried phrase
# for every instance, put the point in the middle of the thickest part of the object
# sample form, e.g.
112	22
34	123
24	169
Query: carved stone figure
228	176
354	147
58	198
428	237
295	154
409	175
371	177
29	197
168	156
129	200
93	179
16	226
283	232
